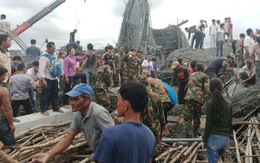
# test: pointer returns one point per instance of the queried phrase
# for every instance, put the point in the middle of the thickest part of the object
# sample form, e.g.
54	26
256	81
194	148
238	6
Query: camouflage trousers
116	78
102	97
127	78
156	130
192	113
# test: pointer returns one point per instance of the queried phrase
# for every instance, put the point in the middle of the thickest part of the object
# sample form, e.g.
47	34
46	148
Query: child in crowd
20	86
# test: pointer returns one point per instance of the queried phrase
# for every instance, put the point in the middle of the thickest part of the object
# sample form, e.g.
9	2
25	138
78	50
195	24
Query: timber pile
244	147
42	138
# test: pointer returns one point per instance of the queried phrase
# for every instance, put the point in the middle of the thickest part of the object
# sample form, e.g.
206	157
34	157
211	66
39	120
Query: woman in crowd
218	122
70	75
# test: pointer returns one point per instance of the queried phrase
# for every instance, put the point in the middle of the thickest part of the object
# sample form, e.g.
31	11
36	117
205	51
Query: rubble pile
44	137
188	55
244	146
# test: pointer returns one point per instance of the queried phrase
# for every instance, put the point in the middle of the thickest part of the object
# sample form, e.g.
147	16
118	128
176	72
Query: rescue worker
117	61
181	77
198	90
131	66
101	84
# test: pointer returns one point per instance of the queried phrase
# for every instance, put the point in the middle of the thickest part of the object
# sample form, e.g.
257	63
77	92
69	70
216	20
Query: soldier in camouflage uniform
117	61
122	65
198	90
101	84
98	62
153	115
131	66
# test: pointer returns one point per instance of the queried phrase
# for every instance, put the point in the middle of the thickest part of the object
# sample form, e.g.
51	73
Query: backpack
56	69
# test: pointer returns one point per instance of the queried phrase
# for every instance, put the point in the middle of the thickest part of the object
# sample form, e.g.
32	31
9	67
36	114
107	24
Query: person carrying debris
219	66
181	77
90	118
198	91
218	127
246	75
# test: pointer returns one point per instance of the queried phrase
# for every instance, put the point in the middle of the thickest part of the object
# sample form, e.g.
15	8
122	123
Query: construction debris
43	138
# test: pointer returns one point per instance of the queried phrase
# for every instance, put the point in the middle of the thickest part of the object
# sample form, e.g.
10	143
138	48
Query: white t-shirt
147	64
213	29
220	35
226	27
250	43
32	75
4	27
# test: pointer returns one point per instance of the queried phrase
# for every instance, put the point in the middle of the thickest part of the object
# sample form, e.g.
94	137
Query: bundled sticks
42	138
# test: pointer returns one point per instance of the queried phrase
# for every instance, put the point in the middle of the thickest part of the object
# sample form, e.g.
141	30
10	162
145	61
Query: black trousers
244	76
50	95
73	80
6	137
25	103
198	36
182	92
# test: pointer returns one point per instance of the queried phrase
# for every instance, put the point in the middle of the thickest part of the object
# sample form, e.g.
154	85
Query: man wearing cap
219	66
181	77
90	118
198	90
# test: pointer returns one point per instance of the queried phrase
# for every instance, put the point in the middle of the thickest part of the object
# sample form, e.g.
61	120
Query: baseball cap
80	89
175	64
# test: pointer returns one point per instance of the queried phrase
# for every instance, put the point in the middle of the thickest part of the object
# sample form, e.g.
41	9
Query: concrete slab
37	119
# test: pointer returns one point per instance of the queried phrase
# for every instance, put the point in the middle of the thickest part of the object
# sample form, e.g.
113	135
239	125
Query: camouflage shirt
153	115
117	61
102	77
158	87
198	87
131	65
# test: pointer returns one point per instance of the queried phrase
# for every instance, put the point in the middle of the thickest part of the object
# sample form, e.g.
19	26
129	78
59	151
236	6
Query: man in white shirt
201	27
212	33
226	27
248	45
4	25
147	64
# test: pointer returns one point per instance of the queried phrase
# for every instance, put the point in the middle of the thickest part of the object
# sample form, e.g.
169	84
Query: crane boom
20	29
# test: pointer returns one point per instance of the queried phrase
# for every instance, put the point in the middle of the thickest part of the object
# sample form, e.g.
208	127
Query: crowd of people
143	99
88	74
217	33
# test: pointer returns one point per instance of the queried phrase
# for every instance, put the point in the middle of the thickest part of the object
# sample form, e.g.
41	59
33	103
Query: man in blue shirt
131	141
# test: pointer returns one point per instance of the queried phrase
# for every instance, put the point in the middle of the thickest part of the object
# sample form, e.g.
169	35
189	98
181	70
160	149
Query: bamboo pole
237	150
189	149
194	158
194	152
6	159
22	134
179	155
168	152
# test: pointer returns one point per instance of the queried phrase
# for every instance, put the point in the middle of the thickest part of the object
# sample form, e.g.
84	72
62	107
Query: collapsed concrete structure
136	31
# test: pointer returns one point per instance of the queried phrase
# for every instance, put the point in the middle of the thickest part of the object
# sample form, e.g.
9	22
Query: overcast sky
99	21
